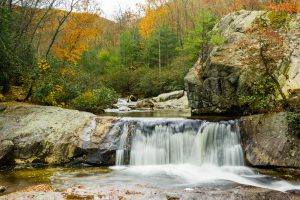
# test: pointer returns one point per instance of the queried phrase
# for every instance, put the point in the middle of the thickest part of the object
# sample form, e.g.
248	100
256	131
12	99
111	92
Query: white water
121	151
188	153
87	132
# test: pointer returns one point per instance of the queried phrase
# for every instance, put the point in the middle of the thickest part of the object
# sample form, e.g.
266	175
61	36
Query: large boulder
269	141
216	83
52	135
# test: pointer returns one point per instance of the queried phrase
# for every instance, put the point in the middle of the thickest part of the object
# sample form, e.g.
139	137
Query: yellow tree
76	36
153	19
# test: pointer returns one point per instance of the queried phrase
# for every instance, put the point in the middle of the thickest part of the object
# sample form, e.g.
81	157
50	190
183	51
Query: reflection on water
206	177
20	178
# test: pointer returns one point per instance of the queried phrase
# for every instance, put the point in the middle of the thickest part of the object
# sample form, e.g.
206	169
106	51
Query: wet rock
6	153
102	157
267	141
141	192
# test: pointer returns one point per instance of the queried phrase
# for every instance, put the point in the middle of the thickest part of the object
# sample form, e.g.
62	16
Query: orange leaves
76	36
292	7
153	19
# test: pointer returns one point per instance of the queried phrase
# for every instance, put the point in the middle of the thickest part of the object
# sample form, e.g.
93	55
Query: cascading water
158	142
122	146
185	153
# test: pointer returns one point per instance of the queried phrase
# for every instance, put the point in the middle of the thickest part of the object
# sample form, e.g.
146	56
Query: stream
164	153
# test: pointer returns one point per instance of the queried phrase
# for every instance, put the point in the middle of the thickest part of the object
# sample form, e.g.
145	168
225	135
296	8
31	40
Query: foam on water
192	152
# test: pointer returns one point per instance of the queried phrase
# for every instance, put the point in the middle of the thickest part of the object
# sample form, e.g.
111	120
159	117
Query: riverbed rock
140	192
268	141
216	82
174	104
169	96
145	103
50	135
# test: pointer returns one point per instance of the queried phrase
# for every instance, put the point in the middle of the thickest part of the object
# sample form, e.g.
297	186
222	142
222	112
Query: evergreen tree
129	48
160	47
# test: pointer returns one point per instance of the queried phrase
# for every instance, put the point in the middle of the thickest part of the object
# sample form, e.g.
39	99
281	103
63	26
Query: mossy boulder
268	141
32	134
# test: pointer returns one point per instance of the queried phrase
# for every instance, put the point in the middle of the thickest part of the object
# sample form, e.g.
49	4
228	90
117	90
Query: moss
293	121
277	18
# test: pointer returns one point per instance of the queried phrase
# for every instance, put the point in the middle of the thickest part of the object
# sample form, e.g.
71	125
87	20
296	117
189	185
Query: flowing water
187	153
163	153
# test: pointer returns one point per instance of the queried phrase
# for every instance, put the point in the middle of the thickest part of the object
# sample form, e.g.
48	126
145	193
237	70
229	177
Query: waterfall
122	146
179	141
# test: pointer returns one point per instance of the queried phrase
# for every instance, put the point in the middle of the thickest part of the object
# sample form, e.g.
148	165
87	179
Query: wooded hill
78	59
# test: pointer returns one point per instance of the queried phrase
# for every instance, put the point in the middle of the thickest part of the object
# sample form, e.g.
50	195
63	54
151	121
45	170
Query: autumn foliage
291	7
152	20
76	37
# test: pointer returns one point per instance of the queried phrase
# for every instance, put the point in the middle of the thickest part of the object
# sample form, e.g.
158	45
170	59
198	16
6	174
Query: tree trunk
28	94
159	52
285	101
270	74
60	23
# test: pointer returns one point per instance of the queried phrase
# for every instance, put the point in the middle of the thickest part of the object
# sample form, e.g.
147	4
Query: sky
111	7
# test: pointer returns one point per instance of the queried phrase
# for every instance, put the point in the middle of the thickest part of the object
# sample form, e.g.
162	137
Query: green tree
16	54
160	47
129	48
198	39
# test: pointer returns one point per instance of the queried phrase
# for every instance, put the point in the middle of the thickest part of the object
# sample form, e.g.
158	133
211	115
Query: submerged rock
51	135
141	192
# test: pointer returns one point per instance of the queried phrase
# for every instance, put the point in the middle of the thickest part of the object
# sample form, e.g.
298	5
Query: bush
152	83
95	101
293	121
277	18
260	96
145	81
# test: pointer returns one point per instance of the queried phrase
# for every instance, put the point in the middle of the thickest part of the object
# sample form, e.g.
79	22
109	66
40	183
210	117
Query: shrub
277	18
95	101
293	121
260	96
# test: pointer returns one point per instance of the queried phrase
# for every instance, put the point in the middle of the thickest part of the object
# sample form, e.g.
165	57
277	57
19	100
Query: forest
64	53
